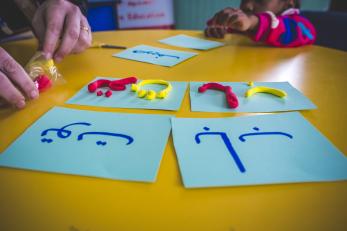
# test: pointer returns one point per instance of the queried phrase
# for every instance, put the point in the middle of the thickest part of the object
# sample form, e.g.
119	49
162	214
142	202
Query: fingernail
20	104
34	94
47	55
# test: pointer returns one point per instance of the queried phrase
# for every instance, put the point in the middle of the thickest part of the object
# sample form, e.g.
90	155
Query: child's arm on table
284	31
288	30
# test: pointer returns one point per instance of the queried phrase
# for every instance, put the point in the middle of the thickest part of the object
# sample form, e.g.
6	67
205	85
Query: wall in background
130	14
193	14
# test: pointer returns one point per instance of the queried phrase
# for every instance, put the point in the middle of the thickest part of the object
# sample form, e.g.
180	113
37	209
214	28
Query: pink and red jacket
290	29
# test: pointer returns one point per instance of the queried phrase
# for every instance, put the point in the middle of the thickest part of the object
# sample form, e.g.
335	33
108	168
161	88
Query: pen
104	45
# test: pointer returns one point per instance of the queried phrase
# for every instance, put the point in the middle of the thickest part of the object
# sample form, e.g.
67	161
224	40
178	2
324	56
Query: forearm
284	31
254	23
29	7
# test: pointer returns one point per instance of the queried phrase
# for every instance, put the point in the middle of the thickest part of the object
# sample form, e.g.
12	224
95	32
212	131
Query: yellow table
31	200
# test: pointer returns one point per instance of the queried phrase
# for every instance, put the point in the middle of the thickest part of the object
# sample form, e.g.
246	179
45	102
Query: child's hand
242	22
216	26
230	19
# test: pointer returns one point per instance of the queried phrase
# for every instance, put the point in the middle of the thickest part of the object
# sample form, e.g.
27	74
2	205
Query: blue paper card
155	55
215	101
191	42
87	143
264	149
129	99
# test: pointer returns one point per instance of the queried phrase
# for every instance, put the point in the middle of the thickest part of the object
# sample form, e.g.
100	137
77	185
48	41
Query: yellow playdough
269	90
151	94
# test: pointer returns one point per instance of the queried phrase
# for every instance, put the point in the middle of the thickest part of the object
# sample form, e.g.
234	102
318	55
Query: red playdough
231	98
215	86
115	85
108	93
99	93
119	85
98	84
43	82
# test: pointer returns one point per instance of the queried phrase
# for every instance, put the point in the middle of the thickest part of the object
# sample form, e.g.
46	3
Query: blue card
215	101
264	149
129	99
191	42
155	55
87	143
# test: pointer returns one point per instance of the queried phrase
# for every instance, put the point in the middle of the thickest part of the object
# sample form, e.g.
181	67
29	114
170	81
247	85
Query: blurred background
179	14
328	16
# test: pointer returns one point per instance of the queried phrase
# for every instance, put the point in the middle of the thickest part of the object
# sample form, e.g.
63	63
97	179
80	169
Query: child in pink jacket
274	22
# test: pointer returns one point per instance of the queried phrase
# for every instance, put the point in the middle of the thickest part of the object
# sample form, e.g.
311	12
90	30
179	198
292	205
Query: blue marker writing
129	138
242	137
227	144
62	132
155	53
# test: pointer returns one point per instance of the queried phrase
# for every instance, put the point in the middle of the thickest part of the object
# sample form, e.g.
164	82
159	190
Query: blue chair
331	28
102	14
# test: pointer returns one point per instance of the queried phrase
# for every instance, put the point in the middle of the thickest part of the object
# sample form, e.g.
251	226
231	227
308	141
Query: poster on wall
139	14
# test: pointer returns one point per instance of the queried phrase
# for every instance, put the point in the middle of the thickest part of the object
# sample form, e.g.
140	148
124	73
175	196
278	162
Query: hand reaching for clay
61	29
230	19
15	84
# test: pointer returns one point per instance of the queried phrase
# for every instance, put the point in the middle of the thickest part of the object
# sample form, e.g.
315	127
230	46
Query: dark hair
297	4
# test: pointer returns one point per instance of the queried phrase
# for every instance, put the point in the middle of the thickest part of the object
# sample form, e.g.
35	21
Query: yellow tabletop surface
32	200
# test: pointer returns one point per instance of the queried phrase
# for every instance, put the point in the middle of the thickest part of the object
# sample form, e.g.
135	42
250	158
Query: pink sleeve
284	31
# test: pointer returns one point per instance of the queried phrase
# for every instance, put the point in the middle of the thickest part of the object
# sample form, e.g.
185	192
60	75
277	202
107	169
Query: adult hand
15	82
60	19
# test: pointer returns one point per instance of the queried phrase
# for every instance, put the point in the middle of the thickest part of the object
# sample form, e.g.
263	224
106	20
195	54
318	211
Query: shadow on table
23	50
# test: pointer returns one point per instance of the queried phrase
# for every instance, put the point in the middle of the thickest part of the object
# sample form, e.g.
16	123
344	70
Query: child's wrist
254	22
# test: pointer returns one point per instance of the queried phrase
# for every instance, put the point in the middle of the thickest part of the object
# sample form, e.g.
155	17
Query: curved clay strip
231	97
269	90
